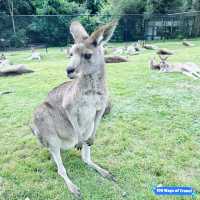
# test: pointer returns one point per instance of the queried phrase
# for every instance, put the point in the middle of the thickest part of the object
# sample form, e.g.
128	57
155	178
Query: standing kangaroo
71	113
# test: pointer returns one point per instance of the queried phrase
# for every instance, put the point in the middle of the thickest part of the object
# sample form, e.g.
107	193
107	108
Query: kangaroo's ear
103	34
78	32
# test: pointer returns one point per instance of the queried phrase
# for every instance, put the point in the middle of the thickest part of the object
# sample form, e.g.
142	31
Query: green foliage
20	7
148	6
19	40
196	5
55	7
94	6
89	22
128	6
46	30
191	5
98	6
54	31
187	5
163	6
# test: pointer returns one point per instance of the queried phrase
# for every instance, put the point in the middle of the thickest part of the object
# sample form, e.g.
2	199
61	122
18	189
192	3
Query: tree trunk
11	10
13	21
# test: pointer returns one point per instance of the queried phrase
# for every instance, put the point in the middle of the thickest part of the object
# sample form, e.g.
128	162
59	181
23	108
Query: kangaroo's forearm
75	125
97	120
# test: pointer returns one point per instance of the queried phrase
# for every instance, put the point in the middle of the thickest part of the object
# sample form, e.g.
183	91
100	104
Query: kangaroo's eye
87	56
71	54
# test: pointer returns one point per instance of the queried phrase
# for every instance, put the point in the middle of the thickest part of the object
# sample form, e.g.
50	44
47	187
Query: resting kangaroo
70	115
188	69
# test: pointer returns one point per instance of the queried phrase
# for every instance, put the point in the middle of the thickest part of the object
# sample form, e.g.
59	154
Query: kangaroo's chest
87	108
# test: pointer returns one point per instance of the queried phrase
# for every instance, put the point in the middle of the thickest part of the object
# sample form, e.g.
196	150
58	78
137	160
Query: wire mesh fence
53	30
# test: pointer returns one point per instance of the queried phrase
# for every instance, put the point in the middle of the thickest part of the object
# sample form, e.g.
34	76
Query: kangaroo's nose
70	70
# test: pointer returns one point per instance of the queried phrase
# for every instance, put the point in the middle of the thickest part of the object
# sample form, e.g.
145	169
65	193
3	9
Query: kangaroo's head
163	63
153	64
86	54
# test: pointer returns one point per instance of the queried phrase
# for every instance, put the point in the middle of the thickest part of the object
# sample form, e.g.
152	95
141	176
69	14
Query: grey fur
70	114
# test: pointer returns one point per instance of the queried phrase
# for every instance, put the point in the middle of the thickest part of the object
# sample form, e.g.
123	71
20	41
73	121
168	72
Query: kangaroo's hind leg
55	152
86	157
47	123
189	74
196	74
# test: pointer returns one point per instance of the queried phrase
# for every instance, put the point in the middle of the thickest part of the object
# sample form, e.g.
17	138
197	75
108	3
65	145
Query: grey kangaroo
71	113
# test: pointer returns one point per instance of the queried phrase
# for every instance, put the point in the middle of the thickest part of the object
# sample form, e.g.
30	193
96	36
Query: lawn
151	137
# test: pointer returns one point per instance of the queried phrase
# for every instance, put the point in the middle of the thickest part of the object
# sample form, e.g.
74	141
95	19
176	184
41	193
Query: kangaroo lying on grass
189	69
187	43
3	60
148	46
71	113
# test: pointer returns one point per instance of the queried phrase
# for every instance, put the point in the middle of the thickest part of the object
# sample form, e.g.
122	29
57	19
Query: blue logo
174	191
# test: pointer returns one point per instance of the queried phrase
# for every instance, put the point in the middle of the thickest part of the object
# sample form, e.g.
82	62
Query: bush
19	39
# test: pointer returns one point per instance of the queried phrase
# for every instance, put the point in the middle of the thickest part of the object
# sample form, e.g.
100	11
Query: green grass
151	137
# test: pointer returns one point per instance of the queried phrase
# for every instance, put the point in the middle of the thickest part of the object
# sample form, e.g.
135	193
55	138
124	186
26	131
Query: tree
163	6
53	30
128	6
58	7
24	7
148	6
94	6
187	5
196	5
11	12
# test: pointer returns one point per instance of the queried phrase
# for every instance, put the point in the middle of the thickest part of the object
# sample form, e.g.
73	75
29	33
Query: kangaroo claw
79	146
90	141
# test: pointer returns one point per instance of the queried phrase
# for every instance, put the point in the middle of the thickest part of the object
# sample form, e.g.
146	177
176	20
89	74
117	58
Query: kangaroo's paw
90	141
79	146
108	175
75	191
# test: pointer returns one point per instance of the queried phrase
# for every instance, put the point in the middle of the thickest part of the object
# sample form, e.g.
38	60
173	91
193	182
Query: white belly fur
86	126
89	106
86	114
86	120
